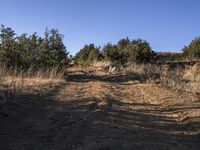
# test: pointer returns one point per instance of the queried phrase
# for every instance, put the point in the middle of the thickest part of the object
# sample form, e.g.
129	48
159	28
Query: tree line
25	51
124	51
134	51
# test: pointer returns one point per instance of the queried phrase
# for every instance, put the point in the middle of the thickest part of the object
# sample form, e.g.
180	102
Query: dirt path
96	111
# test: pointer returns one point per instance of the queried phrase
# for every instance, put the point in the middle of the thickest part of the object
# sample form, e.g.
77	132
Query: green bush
26	51
139	51
87	55
113	54
192	51
127	51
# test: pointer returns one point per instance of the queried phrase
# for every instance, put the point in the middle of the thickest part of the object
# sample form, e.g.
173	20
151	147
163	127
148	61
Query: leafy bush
192	51
88	54
139	51
25	51
127	51
113	54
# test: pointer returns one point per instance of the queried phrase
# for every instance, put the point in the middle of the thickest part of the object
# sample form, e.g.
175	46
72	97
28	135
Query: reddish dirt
97	111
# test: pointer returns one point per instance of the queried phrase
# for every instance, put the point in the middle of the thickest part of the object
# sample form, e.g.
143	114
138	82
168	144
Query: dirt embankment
97	111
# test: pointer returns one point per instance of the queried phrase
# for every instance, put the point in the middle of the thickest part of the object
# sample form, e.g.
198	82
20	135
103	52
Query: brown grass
12	81
182	77
101	64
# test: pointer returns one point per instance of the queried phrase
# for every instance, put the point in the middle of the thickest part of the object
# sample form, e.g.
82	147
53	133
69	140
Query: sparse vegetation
181	76
13	81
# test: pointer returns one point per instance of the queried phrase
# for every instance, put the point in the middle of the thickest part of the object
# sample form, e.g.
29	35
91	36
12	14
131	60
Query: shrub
87	55
127	51
139	51
25	51
192	51
113	54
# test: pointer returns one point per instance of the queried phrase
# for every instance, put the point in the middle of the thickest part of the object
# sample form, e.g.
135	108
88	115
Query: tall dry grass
181	77
13	81
101	65
143	72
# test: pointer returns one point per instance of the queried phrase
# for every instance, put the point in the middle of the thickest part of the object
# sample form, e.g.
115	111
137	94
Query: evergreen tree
24	51
114	54
88	54
8	52
192	51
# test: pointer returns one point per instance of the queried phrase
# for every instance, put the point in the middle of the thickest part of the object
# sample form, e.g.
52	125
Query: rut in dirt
103	112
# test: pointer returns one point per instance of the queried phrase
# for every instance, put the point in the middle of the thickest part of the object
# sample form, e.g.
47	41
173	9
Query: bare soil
98	111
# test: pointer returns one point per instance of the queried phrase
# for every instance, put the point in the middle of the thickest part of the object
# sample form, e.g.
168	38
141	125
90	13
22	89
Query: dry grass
101	65
143	72
12	81
182	77
8	91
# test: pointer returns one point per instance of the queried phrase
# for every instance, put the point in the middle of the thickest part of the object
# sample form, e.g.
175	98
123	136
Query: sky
168	25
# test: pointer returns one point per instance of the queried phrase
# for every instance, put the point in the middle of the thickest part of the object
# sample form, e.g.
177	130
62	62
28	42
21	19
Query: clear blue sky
167	25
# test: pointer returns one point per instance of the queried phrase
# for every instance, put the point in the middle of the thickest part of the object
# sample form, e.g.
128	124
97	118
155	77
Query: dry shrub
182	77
101	65
134	71
143	72
192	78
192	73
152	72
133	68
8	92
13	81
172	77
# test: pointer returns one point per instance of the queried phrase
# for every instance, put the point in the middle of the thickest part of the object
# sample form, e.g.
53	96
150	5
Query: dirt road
96	111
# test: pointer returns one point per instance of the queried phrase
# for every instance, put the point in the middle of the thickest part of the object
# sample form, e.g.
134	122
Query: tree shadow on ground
41	121
117	78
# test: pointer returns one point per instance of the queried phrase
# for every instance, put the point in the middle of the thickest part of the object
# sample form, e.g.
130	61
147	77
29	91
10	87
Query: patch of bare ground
97	111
